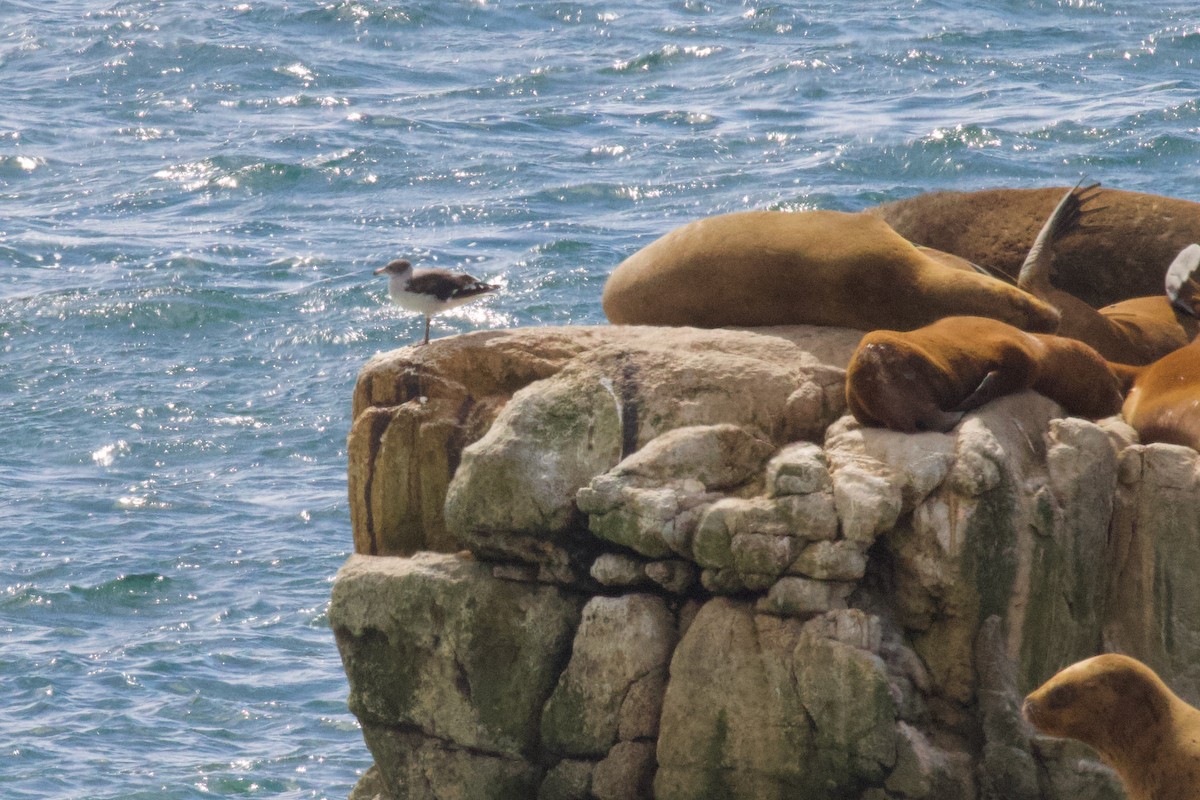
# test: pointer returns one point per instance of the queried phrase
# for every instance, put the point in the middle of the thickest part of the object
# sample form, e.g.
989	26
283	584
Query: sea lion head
892	385
1102	701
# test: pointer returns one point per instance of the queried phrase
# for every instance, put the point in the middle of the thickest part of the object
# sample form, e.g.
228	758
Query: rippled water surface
193	196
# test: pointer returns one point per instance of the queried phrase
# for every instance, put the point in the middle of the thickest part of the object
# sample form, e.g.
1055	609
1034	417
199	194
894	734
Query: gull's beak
381	270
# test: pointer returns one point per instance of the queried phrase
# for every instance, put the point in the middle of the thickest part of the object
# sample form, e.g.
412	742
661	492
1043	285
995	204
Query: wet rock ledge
621	562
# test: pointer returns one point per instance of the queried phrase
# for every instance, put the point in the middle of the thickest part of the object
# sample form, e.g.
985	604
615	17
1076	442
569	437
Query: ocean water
193	196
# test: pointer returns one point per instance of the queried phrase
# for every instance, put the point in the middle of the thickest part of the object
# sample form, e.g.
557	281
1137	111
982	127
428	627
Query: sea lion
1136	331
1122	256
952	261
1140	728
759	268
927	379
1163	403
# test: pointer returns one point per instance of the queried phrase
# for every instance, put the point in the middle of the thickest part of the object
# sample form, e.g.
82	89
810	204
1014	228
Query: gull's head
397	267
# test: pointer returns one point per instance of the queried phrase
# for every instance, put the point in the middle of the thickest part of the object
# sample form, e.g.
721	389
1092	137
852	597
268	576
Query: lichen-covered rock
970	549
759	538
370	786
803	597
845	691
655	522
1153	608
414	411
854	615
800	468
514	494
1007	768
1064	604
675	576
816	404
721	457
732	723
757	708
880	474
615	678
1072	771
435	647
420	767
843	560
652	500
924	770
569	779
619	570
627	773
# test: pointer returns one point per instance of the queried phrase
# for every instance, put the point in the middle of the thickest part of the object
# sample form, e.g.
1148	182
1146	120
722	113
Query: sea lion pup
1163	404
1136	331
758	268
927	379
1121	256
1139	726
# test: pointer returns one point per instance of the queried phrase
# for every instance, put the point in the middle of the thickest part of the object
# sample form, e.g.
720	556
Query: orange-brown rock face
417	408
414	411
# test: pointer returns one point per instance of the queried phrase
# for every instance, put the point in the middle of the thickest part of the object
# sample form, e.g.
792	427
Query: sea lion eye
1060	697
921	426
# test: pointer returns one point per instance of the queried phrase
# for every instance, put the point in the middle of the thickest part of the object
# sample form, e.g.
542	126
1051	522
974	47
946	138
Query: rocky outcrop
604	390
672	567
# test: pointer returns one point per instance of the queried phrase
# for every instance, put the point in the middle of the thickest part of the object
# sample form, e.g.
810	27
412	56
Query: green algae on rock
670	586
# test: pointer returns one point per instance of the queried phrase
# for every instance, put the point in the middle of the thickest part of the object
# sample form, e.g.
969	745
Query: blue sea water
193	196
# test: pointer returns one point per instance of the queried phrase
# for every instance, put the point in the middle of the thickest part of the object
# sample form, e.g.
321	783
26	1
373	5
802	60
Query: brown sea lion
1122	256
1140	728
952	261
927	379
759	268
1136	331
1163	403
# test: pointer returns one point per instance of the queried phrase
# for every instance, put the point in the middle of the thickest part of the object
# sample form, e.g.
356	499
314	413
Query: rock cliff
621	562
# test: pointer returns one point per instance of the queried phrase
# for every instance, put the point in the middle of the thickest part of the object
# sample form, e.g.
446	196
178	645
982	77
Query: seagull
431	291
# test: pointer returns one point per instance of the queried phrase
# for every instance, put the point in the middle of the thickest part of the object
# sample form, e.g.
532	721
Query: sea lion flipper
988	389
1035	272
1183	281
995	384
1013	371
1086	195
